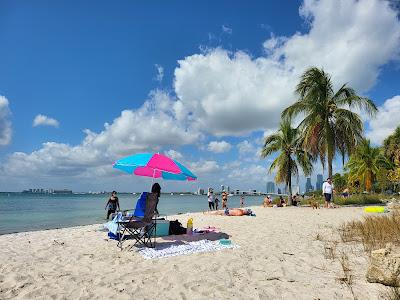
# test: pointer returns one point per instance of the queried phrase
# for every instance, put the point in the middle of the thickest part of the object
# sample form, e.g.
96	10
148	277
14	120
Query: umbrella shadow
176	240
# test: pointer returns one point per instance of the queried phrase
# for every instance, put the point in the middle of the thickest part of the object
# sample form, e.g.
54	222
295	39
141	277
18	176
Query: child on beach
112	204
242	201
216	203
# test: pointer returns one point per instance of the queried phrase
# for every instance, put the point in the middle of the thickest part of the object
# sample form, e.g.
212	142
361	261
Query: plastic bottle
189	229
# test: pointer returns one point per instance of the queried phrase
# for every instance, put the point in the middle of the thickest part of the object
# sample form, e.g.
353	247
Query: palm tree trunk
290	183
290	191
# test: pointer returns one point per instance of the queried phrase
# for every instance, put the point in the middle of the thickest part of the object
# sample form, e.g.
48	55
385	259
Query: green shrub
362	199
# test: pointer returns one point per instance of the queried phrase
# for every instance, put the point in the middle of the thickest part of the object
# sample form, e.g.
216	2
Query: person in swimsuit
112	204
224	199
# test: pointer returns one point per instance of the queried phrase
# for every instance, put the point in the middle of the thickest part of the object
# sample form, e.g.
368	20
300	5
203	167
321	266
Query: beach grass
374	232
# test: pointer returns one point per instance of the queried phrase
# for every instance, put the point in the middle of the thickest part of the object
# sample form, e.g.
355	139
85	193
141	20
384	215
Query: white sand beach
280	257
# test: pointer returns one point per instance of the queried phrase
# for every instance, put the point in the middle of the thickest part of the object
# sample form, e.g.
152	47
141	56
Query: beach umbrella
155	166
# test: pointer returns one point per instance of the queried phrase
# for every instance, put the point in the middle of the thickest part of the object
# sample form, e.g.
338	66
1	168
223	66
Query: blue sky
203	82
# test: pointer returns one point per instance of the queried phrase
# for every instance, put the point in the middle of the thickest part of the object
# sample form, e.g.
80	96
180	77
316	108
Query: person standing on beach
224	199
242	201
327	192
216	203
112	204
210	198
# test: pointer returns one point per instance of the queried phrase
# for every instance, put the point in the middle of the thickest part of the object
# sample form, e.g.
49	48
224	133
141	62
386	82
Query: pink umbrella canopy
155	166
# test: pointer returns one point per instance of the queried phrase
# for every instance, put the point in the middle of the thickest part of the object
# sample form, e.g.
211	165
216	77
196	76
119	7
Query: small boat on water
182	194
172	194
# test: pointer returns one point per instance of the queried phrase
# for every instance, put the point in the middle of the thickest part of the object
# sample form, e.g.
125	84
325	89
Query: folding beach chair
140	228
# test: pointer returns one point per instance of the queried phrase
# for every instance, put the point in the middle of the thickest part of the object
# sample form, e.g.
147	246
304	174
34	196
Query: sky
83	84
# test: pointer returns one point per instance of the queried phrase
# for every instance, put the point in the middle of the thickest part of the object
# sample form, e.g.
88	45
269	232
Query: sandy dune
279	257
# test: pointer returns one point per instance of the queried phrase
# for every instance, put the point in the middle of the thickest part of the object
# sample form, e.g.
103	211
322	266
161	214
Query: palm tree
365	163
287	141
328	125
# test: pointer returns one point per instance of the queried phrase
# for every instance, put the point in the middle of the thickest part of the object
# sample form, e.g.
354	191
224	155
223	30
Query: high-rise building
279	191
222	188
270	187
320	181
309	187
200	191
228	189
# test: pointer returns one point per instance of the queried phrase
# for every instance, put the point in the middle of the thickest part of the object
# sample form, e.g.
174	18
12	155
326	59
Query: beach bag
175	227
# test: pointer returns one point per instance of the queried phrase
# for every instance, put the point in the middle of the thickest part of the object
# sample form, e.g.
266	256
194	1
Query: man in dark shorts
327	191
112	204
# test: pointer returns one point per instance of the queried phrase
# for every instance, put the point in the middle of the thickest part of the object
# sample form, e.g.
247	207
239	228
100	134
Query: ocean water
29	212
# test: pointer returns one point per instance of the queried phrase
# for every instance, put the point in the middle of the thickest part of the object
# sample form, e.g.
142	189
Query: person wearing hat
327	192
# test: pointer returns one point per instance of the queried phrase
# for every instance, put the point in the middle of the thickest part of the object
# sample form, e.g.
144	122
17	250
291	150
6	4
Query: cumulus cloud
160	73
42	120
235	93
204	167
219	147
386	120
148	128
174	154
5	123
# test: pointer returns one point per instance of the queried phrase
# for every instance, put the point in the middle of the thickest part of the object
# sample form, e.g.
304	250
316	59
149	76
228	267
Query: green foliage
363	199
365	164
340	181
328	126
391	145
287	142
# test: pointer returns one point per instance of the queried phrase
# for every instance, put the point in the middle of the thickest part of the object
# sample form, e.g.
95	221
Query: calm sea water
28	212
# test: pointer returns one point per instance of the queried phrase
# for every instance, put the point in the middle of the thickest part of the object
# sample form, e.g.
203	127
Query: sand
281	256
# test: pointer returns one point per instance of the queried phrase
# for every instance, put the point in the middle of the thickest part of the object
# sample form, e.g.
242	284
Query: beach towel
112	226
189	248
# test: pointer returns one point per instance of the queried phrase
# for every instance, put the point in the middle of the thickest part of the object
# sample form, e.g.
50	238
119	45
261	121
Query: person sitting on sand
295	200
156	189
282	202
345	193
267	201
112	204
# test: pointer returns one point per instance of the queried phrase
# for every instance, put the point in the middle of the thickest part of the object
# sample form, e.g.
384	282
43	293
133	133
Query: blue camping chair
141	224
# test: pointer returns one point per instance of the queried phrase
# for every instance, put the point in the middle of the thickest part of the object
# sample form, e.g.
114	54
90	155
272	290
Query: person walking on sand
327	192
242	201
210	198
224	199
112	204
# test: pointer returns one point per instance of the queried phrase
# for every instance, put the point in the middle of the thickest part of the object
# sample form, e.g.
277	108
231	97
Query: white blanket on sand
189	248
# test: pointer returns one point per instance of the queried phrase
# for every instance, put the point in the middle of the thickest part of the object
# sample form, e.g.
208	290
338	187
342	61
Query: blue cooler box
162	228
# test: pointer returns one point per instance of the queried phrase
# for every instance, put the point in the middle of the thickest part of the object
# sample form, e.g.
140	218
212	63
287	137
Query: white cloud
219	147
204	167
245	147
5	123
160	72
386	121
148	128
42	120
226	29
234	93
174	154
